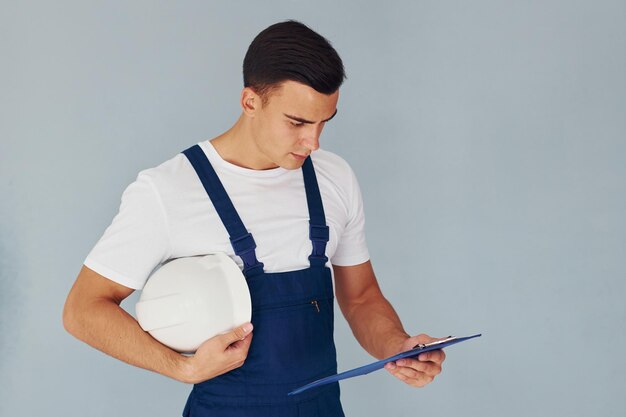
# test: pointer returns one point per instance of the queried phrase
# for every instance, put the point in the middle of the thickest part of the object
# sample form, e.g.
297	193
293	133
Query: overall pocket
293	343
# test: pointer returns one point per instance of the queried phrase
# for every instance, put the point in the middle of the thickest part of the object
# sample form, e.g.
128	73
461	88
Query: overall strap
318	231
241	241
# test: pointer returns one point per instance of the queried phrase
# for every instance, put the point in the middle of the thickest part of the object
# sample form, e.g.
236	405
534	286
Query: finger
409	373
424	338
238	351
428	368
396	370
238	333
241	344
391	367
246	342
237	363
410	376
437	356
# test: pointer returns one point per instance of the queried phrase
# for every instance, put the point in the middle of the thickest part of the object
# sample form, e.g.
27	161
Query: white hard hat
190	300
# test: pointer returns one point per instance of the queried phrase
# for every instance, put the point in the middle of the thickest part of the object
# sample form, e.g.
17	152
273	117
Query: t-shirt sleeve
137	241
352	246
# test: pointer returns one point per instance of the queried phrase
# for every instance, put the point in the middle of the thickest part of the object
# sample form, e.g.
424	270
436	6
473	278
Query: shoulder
335	177
167	169
331	165
172	175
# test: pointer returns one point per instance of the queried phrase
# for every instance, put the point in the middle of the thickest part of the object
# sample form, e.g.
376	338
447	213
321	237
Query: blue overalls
292	314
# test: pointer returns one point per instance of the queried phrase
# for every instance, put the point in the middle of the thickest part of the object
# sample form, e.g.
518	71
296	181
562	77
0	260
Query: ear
250	101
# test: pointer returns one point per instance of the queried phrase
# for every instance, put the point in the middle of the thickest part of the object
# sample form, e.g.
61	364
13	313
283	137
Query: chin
293	166
290	164
287	162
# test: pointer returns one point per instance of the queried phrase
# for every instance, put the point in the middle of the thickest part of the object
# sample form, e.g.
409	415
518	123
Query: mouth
299	157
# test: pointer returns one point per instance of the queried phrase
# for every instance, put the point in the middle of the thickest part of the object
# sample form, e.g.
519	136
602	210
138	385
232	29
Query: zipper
313	302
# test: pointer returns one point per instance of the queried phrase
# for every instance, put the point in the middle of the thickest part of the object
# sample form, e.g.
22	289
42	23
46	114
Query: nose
312	144
311	140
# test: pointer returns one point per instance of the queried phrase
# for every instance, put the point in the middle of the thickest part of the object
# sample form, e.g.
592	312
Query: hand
419	371
219	355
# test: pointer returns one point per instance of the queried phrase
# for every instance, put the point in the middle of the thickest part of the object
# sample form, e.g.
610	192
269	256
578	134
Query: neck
237	146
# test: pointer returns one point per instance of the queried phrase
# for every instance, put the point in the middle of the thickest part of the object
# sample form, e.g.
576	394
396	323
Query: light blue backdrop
489	139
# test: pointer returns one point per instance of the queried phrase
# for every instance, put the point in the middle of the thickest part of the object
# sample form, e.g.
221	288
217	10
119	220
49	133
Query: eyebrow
301	120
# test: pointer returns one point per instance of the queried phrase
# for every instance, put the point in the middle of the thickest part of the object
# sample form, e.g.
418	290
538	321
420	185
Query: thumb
238	333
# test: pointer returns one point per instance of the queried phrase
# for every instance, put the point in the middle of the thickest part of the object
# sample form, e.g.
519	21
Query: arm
377	327
92	313
371	317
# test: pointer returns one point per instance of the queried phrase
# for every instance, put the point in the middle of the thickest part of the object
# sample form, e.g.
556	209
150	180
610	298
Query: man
301	214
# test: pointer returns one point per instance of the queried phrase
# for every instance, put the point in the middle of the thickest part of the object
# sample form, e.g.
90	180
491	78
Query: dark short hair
291	51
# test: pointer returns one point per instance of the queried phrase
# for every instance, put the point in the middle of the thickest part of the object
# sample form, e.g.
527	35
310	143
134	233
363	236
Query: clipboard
366	369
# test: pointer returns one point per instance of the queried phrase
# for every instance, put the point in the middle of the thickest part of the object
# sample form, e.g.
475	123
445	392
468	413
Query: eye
296	123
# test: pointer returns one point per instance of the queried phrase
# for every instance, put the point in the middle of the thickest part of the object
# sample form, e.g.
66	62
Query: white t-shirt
166	213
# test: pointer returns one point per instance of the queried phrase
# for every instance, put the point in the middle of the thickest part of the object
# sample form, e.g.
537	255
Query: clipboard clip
438	342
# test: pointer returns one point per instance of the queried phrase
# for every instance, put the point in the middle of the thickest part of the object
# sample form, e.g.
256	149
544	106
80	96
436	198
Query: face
288	127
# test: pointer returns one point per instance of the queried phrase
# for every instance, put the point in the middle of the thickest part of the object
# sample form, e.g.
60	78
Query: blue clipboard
366	369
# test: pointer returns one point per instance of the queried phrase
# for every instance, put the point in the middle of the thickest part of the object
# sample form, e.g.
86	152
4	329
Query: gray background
488	138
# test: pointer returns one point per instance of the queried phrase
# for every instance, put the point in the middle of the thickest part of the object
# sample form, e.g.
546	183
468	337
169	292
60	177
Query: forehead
292	96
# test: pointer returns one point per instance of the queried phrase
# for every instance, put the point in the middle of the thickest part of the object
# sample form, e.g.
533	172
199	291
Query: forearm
105	326
376	326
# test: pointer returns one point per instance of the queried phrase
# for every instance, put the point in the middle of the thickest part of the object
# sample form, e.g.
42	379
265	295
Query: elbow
69	317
